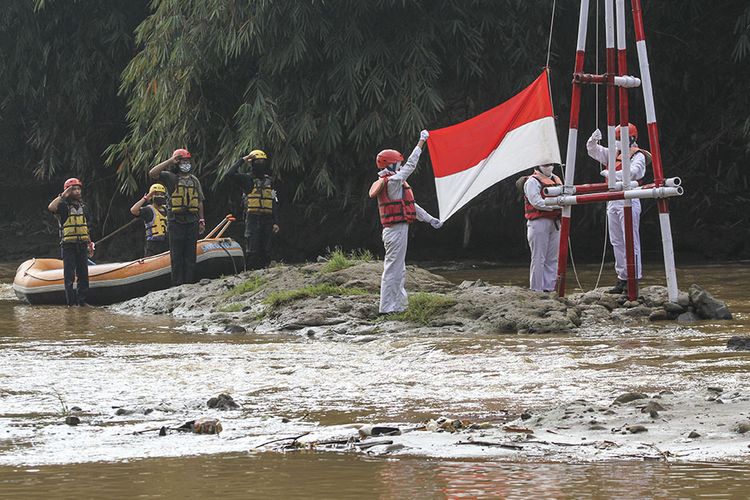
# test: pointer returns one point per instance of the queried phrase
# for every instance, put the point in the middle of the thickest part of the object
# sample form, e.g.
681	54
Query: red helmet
182	152
72	182
632	131
388	157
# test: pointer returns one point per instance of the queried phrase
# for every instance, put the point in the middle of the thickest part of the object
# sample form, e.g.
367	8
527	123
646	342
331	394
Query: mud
349	306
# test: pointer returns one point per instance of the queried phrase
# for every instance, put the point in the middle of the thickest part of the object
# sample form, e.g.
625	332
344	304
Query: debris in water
223	402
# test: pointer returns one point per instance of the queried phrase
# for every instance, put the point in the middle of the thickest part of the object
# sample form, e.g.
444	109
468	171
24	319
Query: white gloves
423	135
435	222
596	136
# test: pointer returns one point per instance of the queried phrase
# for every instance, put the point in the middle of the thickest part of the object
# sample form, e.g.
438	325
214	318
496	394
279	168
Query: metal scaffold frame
617	83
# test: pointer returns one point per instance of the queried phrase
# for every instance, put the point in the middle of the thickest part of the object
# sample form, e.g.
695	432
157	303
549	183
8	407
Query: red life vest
396	211
530	211
633	151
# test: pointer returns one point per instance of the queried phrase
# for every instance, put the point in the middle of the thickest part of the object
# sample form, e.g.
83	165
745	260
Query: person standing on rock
542	228
260	205
154	218
184	213
397	210
616	208
74	218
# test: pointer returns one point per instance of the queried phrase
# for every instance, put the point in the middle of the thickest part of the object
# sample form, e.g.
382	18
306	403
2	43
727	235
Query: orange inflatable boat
40	281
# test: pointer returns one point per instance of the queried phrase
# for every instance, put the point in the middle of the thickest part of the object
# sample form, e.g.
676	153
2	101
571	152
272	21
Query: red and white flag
471	156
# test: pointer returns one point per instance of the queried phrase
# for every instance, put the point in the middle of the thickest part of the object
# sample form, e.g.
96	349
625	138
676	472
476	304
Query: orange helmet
388	157
72	182
182	152
632	131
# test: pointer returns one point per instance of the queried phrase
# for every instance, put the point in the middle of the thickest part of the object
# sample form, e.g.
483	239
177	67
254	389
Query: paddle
105	238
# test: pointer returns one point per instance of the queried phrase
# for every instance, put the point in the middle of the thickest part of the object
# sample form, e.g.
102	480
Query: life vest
259	201
530	211
396	211
156	230
75	229
633	151
184	198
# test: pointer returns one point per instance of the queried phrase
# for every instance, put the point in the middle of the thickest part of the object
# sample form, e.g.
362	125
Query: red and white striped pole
609	24
653	137
622	67
570	159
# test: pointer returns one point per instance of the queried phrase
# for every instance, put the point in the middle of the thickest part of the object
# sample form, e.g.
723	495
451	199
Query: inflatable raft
40	281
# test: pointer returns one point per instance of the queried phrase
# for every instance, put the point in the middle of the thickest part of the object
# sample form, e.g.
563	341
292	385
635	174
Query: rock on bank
317	301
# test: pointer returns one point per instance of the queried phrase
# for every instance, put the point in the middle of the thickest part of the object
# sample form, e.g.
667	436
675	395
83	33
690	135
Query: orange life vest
530	211
633	151
396	211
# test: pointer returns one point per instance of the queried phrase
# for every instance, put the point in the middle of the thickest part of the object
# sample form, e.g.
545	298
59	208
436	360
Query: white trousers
616	221
392	291
544	241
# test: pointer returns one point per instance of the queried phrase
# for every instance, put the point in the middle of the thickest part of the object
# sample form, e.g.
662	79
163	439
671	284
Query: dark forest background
103	90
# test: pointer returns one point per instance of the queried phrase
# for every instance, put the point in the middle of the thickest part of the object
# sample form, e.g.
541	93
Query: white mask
547	170
185	167
618	145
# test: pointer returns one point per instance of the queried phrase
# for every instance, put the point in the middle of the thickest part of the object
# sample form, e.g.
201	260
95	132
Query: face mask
185	167
159	200
547	170
618	146
395	167
260	167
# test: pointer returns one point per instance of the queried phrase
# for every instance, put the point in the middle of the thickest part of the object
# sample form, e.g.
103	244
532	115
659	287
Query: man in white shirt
615	209
397	210
542	228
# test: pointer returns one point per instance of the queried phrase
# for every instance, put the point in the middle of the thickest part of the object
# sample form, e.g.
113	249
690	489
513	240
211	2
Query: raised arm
411	163
155	171
52	207
136	208
595	150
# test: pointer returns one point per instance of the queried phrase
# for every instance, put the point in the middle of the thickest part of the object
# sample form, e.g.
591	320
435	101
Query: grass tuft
423	307
279	298
338	259
231	308
245	287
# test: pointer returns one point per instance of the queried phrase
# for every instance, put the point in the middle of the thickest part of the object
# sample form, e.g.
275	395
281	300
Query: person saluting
73	218
184	213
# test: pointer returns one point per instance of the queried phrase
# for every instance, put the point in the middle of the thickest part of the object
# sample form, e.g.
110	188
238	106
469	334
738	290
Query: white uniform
616	212
543	235
393	296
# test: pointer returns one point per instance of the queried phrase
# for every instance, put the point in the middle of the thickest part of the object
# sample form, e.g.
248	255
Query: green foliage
104	90
277	299
61	65
338	259
233	307
246	286
423	307
321	85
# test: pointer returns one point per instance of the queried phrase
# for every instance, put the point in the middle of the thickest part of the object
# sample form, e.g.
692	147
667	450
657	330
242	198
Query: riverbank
322	299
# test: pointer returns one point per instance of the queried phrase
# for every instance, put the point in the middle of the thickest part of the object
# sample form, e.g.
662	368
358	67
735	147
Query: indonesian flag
471	156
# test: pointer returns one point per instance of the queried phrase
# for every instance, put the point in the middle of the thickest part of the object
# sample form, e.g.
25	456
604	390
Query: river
54	358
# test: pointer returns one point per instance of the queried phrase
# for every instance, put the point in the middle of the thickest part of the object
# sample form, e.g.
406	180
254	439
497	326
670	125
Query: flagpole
653	137
609	22
570	159
622	68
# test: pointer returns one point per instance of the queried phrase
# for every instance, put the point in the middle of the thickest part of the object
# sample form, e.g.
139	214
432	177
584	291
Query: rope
551	26
573	263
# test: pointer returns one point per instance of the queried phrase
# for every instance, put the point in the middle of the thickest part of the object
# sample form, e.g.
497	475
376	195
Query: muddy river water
54	358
